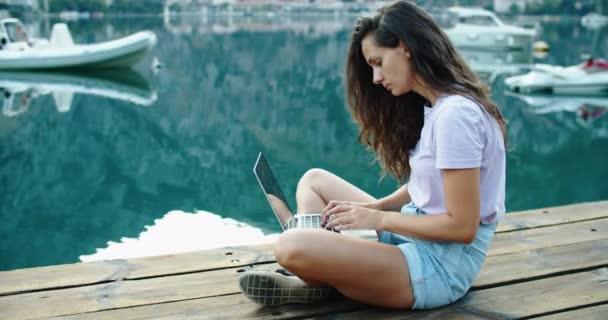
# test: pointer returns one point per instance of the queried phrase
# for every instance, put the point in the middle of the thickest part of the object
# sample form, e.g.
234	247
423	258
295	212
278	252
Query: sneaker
280	287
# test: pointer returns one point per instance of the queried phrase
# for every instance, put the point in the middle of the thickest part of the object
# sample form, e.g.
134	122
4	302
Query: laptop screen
271	188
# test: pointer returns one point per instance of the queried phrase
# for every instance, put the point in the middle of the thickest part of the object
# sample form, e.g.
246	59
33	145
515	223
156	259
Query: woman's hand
334	203
345	215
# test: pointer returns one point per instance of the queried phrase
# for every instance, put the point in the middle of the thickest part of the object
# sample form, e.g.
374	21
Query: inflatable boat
19	52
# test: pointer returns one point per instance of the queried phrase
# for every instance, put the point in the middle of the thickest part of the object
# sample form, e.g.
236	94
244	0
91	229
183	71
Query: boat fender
540	49
540	46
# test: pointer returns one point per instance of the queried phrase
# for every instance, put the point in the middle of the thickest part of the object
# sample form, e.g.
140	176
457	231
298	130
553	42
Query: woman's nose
377	76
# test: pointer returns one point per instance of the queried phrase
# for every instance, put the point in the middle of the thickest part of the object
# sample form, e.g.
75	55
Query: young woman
430	121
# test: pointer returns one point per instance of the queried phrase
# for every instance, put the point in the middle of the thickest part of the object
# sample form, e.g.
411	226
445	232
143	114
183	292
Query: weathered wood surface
551	216
33	279
505	302
599	312
532	264
539	264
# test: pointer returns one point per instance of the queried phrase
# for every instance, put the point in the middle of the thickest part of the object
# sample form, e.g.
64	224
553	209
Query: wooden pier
549	264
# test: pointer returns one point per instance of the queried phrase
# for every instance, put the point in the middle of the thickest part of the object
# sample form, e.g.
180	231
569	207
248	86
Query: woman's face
392	67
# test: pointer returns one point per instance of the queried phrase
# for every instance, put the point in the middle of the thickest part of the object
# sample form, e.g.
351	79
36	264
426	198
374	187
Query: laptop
278	203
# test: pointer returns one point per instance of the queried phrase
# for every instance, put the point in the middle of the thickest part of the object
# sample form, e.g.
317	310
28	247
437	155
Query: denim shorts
441	272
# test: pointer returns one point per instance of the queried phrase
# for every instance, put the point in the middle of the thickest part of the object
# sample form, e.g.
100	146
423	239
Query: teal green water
105	168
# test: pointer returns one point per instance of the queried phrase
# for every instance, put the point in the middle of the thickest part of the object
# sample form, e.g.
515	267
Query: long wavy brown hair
390	125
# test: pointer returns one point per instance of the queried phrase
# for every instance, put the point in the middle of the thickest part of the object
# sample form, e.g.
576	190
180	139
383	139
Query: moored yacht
482	29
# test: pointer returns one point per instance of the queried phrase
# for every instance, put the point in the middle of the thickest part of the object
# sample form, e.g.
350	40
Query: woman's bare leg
317	187
365	271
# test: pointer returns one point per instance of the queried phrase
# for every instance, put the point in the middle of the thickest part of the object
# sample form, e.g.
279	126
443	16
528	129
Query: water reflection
179	231
19	89
582	105
300	24
491	64
555	158
569	115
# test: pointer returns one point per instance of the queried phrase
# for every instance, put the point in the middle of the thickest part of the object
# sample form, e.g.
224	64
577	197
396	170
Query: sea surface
158	159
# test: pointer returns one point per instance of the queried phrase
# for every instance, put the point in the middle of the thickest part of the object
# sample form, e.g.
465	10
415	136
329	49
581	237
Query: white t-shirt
457	134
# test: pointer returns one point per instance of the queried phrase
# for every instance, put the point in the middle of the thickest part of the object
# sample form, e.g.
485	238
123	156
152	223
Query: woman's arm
395	200
461	221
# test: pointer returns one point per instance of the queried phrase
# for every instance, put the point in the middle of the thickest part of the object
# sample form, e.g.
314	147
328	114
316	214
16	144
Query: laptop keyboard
307	222
310	222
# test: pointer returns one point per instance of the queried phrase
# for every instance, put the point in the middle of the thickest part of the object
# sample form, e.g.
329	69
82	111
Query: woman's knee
312	177
290	249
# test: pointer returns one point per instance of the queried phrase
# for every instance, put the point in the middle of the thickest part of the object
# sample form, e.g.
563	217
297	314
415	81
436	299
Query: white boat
478	28
19	52
594	20
18	89
589	78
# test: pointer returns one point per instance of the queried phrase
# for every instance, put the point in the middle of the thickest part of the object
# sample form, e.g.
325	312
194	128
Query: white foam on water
180	231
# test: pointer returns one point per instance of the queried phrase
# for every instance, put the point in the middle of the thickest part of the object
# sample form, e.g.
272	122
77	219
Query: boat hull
120	53
558	80
489	40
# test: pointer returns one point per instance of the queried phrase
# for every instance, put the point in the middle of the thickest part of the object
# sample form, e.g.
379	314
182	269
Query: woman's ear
405	49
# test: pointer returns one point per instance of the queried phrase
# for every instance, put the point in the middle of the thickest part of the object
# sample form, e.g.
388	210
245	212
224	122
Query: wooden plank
33	279
79	274
229	307
553	216
123	294
542	262
511	302
540	296
591	313
446	313
506	302
531	239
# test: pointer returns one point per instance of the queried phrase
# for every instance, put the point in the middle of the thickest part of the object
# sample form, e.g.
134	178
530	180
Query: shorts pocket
452	254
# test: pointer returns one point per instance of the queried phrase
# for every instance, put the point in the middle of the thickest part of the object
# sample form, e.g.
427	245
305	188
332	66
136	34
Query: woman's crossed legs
362	270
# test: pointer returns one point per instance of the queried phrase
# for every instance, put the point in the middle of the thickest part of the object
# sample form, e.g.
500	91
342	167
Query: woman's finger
328	207
324	212
337	220
332	204
346	226
338	209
